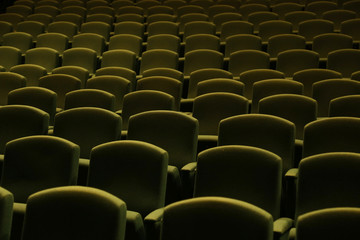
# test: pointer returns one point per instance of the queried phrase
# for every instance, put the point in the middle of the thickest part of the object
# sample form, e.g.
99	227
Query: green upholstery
220	85
6	207
293	60
282	8
159	58
175	132
131	28
57	41
34	28
331	223
164	41
87	127
327	42
145	100
202	58
209	109
355	75
40	17
118	86
261	16
201	41
200	75
162	27
337	16
13	18
269	87
269	132
328	180
235	27
19	121
74	212
46	57
32	73
336	134
81	73
164	84
296	17
220	8
222	171
241	41
271	28
220	218
61	84
248	59
89	40
65	23
298	109
282	42
166	72
8	82
134	171
309	76
344	106
120	72
42	98
100	24
320	7
21	40
73	10
344	61
348	27
90	98
35	163
223	17
195	17
10	56
119	58
248	8
249	77
126	41
81	57
326	90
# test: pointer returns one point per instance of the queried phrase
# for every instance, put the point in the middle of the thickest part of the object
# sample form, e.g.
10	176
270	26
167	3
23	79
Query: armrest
290	181
19	208
134	226
292	173
155	216
292	234
18	216
282	225
187	174
190	167
153	223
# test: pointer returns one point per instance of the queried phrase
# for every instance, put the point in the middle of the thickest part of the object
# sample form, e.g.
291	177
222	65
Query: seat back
157	127
240	219
272	133
88	127
114	165
65	206
230	166
35	163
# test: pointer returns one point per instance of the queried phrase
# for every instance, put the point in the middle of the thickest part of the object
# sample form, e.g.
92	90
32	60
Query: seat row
321	136
341	60
149	7
36	24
